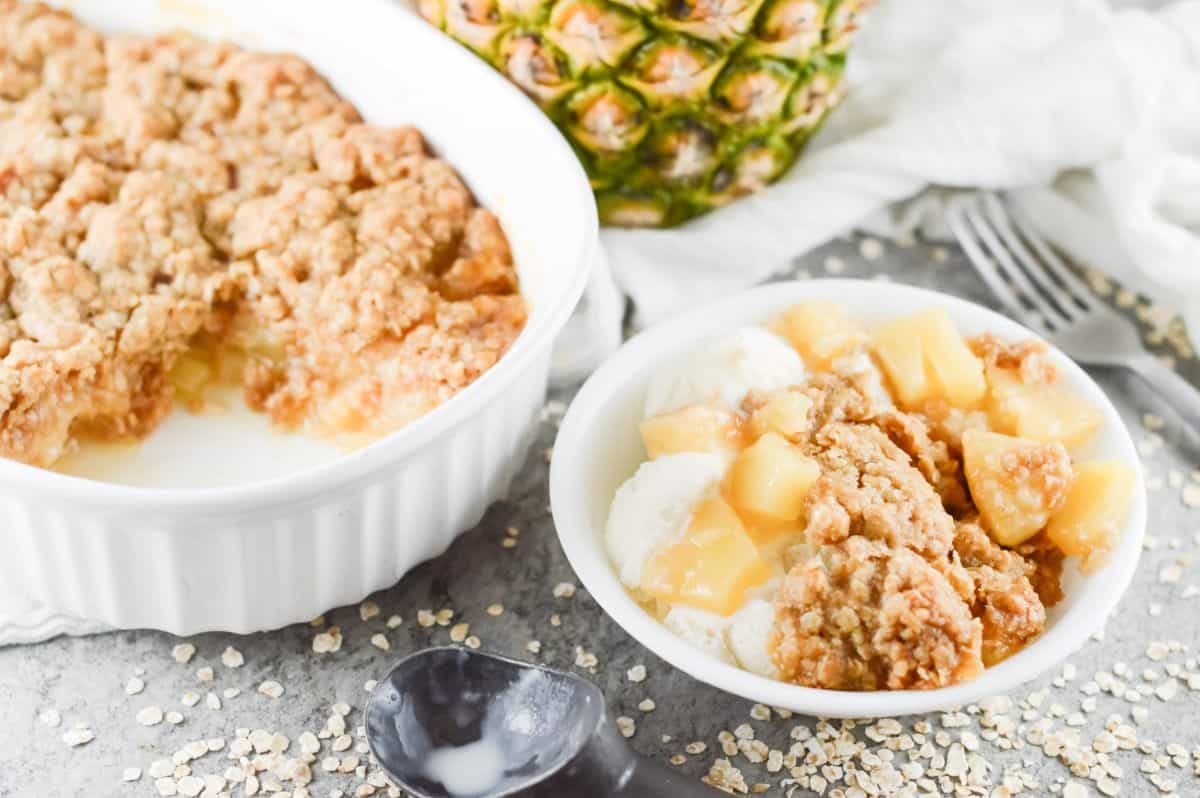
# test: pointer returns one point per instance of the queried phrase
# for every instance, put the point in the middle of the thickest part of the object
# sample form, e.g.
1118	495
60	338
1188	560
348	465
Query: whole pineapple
675	107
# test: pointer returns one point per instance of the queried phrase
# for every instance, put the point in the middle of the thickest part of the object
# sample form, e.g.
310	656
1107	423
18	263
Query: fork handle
1174	389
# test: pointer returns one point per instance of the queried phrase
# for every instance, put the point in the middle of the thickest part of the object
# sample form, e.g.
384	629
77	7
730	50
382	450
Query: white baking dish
598	447
261	554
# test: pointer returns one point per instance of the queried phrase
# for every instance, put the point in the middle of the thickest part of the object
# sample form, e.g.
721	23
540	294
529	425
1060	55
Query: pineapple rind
672	64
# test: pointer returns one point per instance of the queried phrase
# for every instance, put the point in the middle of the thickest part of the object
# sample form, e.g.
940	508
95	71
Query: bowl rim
585	551
539	334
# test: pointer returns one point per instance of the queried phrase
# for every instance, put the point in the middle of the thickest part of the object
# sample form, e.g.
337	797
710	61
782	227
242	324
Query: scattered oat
149	716
626	725
534	646
724	776
80	735
585	658
271	688
472	642
174	717
495	610
190	786
1074	789
380	642
50	717
131	774
426	618
636	674
183	653
212	701
564	590
394	621
647	705
231	692
205	674
232	658
870	248
134	686
327	642
458	632
368	610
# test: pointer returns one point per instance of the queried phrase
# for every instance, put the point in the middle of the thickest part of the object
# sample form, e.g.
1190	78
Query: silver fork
1041	291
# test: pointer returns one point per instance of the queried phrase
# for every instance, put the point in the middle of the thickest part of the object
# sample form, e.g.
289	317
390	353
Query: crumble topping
1004	598
161	195
869	488
1027	358
864	616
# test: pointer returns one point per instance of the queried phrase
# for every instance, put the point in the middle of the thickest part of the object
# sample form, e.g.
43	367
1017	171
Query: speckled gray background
84	678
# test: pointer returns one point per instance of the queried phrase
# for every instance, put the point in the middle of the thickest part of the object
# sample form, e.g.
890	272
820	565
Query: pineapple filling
178	214
860	508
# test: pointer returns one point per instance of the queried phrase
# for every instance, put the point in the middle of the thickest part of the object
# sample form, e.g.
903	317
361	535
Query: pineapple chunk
712	567
1045	412
1097	506
695	428
771	478
785	413
1016	483
925	358
820	331
191	374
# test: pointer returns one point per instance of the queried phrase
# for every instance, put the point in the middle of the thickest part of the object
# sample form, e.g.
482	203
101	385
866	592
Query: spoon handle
652	779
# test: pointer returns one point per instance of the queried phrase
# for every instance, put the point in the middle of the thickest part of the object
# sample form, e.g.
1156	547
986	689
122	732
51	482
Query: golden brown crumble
864	616
868	487
1027	358
1004	598
888	590
158	192
1047	561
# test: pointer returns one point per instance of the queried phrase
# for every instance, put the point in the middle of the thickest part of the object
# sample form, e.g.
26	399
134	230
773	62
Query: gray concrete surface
84	679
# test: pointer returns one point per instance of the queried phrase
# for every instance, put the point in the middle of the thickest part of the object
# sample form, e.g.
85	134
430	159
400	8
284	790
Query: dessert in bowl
386	413
818	502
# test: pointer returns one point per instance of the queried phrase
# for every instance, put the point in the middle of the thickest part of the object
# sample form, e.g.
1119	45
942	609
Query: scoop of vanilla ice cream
748	637
703	630
653	507
750	358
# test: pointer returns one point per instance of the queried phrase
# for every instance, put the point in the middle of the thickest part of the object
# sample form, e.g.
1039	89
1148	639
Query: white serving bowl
308	537
599	446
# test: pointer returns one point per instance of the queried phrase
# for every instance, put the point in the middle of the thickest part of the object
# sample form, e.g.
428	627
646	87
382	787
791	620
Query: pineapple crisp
176	213
856	509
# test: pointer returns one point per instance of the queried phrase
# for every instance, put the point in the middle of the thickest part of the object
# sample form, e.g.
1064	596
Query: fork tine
1031	266
957	210
1050	316
1075	287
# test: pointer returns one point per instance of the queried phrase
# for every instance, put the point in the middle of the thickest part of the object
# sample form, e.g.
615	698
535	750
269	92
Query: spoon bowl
454	723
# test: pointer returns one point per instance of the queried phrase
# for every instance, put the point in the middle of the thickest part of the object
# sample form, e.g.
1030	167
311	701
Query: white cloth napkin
978	94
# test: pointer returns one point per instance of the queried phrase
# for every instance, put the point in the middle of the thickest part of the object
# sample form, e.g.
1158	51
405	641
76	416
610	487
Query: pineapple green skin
674	107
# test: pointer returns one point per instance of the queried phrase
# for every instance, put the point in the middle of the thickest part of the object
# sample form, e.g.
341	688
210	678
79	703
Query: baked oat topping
865	616
175	211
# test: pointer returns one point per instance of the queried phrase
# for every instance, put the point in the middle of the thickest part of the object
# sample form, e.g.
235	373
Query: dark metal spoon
453	723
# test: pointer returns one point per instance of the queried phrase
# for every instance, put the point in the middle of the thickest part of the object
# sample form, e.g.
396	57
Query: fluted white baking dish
272	551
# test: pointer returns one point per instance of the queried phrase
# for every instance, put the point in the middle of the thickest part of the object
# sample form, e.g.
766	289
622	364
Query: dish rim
586	552
352	466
